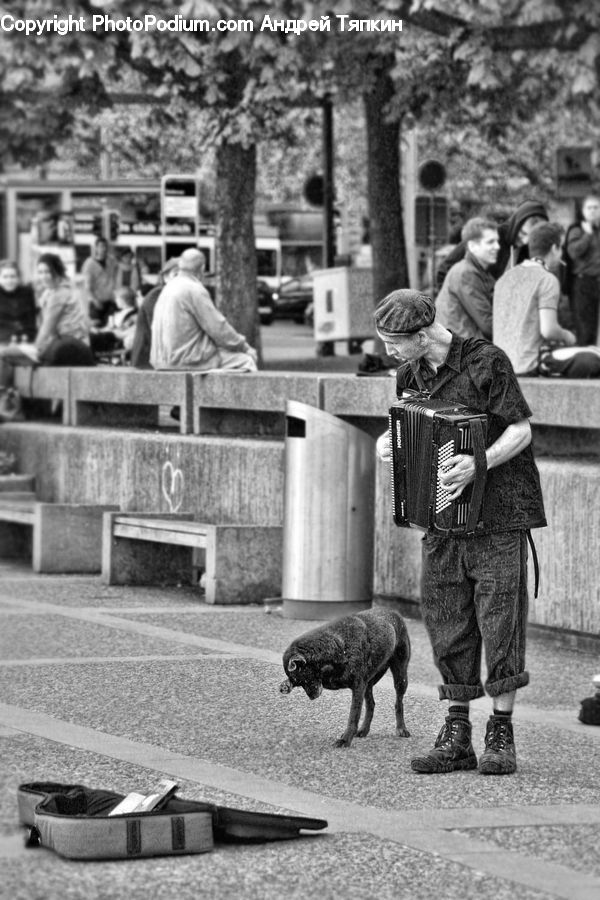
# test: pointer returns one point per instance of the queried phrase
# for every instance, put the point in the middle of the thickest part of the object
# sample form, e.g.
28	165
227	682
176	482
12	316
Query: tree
484	59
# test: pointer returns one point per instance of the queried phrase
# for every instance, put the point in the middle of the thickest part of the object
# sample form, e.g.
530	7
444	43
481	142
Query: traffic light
110	224
113	226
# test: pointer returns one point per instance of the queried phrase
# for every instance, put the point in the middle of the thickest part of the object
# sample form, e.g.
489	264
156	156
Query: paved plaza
112	687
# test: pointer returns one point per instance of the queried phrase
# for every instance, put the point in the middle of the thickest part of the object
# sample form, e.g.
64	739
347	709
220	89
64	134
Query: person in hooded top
513	237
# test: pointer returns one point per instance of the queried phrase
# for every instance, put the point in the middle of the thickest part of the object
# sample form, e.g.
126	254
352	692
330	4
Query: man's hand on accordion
382	446
456	473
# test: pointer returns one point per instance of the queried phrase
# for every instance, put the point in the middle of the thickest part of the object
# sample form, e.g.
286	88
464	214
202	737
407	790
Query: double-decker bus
66	216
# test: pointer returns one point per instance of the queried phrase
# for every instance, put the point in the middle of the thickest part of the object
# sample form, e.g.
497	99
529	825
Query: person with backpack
583	249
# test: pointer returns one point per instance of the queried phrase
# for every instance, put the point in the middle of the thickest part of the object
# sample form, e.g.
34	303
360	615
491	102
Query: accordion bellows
424	434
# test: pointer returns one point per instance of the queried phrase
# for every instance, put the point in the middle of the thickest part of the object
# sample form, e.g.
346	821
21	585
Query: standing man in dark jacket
474	587
583	247
513	236
464	303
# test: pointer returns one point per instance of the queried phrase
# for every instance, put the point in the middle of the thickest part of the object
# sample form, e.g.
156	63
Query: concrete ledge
215	394
361	401
560	402
351	396
46	383
564	402
127	397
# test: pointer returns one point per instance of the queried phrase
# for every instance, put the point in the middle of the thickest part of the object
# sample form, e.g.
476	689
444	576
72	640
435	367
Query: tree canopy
484	71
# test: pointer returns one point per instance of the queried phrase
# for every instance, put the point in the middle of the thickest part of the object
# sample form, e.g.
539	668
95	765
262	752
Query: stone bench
241	563
59	537
230	403
46	383
128	398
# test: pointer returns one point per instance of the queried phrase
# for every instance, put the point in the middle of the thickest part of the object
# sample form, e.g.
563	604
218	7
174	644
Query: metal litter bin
328	524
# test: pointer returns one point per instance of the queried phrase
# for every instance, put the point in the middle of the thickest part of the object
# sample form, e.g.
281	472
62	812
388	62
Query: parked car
264	296
292	298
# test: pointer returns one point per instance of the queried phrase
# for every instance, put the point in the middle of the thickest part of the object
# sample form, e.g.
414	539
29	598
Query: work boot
452	750
499	756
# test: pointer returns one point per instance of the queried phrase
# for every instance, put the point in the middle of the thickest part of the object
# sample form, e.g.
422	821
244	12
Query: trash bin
328	523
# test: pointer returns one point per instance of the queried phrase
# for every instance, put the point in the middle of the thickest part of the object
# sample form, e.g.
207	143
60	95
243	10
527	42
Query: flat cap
404	312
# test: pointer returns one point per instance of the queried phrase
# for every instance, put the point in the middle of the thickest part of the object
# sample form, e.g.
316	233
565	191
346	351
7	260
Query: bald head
192	260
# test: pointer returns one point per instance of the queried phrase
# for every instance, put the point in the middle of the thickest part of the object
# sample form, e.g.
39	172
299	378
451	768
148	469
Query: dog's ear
296	662
327	670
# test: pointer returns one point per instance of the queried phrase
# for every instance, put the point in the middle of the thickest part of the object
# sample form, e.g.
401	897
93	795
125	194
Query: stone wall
240	480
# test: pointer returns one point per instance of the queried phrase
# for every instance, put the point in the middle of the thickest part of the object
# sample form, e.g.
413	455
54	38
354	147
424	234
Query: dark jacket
17	313
507	235
464	303
142	339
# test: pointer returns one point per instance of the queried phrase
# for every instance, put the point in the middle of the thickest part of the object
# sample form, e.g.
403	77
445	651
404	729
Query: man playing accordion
474	585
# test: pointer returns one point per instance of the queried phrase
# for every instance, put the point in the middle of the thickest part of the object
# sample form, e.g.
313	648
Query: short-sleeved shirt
479	375
518	297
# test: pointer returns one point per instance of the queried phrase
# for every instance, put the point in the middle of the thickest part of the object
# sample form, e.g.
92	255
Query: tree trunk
385	204
235	245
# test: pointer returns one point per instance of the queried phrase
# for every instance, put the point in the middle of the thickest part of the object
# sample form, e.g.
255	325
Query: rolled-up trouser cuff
506	685
460	692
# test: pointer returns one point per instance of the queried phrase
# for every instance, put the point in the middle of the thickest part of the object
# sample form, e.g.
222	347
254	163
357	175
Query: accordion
424	433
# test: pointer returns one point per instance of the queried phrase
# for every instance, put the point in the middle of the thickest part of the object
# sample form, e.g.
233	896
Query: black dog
352	652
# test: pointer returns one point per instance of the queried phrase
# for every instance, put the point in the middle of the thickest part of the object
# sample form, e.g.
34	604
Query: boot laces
498	736
449	733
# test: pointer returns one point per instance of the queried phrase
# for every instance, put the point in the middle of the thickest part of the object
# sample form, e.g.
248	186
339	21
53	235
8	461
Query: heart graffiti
172	486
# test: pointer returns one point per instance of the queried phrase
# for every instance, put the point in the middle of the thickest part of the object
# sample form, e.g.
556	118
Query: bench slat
165	524
18	507
21	515
164	535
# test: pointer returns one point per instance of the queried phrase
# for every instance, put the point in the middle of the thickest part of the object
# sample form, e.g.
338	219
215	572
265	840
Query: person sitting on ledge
189	332
525	319
63	334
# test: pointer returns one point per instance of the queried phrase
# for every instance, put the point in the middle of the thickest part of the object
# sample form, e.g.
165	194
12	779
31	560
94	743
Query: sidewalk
112	687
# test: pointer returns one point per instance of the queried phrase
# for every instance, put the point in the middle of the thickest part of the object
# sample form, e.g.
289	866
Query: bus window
149	259
298	260
266	263
82	251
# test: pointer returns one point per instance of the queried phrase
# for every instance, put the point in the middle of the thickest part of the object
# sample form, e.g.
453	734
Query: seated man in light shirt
525	318
189	332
